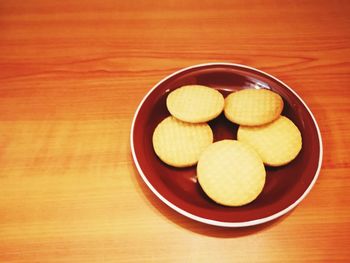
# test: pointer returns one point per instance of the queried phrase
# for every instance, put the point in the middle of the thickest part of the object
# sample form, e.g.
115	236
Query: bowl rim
211	221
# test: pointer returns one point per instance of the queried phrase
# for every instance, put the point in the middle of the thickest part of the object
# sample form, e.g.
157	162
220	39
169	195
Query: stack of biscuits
230	172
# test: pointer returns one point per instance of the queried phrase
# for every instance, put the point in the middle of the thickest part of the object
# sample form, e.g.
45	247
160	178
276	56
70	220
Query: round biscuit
278	142
195	103
231	173
179	143
252	107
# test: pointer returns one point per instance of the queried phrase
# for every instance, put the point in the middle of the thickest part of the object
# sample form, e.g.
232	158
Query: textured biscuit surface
278	142
179	143
231	173
195	103
253	106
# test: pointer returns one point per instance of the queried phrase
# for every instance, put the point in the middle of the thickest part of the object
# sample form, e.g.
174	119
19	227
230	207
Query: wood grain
72	74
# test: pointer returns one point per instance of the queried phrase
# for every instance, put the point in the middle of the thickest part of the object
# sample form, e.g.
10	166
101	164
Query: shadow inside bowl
195	226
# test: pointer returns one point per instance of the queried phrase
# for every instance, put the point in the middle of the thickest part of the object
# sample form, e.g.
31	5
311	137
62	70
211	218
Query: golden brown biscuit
278	142
195	103
179	143
231	173
252	107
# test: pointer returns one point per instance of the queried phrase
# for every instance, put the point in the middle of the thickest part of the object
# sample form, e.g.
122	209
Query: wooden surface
71	76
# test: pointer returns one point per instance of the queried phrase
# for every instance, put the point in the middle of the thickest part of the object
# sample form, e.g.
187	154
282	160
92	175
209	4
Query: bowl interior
284	185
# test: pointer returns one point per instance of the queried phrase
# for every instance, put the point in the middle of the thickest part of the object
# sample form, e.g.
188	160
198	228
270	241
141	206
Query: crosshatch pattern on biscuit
277	143
253	106
195	103
231	173
179	143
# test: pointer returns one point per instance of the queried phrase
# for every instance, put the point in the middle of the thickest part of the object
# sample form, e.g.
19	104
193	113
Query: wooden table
72	74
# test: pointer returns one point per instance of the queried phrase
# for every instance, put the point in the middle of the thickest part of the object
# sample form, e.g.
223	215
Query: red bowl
285	187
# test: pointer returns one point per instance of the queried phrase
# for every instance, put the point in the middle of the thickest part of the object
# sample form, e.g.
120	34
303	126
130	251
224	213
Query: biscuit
252	107
231	173
278	142
195	103
180	143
